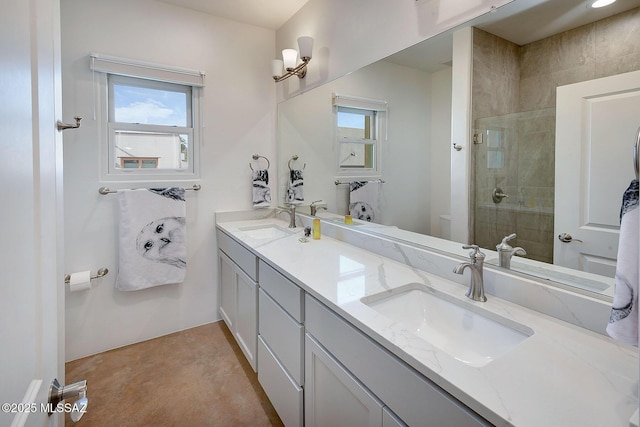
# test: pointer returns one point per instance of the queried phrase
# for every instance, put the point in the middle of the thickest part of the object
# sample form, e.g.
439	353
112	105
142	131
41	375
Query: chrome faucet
291	210
314	208
476	287
505	251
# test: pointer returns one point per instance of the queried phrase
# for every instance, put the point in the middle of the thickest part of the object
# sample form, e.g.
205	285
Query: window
151	120
150	124
357	137
359	124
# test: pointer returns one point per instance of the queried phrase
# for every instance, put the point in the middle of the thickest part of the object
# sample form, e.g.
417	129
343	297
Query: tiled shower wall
514	95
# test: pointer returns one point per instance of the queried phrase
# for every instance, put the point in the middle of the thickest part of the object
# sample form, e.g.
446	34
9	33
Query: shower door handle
566	238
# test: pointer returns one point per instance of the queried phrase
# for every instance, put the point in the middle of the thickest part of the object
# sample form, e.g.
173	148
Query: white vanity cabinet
333	397
238	294
344	366
280	344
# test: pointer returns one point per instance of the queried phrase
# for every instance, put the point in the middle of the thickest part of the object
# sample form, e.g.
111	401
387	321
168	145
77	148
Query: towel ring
256	157
293	158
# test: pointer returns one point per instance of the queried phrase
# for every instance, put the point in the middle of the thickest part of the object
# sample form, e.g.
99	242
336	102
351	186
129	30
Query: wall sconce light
290	61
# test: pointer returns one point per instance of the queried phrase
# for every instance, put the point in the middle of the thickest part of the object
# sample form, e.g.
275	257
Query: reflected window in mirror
359	123
357	136
495	148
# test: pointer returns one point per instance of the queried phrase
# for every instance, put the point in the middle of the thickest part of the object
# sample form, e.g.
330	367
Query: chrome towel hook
62	126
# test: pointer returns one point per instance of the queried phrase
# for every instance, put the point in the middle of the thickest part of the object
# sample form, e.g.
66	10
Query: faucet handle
509	237
504	246
475	254
314	202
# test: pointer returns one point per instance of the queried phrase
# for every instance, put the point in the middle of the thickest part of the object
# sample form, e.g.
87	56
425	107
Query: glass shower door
513	181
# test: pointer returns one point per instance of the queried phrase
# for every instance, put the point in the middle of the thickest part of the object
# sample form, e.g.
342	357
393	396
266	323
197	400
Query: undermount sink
470	334
266	231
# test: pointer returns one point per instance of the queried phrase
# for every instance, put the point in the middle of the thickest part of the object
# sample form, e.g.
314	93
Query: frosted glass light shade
601	3
276	67
305	44
290	57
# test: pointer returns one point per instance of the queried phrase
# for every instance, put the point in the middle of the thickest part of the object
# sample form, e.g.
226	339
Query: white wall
440	149
239	115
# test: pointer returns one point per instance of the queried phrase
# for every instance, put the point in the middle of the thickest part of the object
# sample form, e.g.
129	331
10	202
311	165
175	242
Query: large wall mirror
531	68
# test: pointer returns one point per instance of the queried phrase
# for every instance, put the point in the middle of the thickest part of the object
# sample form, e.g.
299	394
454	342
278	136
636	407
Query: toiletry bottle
348	219
316	229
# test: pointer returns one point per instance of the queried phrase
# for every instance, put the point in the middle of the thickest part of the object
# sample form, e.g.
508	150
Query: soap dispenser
505	251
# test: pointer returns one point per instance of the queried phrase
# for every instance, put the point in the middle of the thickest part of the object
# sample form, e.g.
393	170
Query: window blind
360	103
145	70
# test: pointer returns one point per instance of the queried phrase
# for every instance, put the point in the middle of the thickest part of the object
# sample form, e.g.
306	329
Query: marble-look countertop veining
562	375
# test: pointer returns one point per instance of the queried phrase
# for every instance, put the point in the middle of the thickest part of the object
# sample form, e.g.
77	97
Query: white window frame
377	109
114	69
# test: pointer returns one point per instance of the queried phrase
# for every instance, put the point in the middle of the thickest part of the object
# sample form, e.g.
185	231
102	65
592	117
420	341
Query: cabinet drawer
242	256
285	395
411	396
282	290
283	335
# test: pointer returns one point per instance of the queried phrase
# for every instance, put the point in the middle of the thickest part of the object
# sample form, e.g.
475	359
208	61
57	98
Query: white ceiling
520	22
270	14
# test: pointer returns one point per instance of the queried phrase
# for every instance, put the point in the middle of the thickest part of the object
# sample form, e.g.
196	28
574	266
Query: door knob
498	195
58	393
566	238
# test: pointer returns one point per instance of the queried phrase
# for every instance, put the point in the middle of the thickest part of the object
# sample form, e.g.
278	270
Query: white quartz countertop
562	375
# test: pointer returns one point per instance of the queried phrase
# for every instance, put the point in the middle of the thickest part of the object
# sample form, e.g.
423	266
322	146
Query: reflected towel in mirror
295	192
623	324
364	200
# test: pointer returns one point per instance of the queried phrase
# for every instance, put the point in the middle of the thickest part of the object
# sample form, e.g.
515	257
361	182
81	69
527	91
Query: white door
596	125
31	311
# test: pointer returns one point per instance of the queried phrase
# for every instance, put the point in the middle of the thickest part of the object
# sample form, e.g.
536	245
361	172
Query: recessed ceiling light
601	3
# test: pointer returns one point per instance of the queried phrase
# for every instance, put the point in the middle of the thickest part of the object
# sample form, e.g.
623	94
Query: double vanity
358	329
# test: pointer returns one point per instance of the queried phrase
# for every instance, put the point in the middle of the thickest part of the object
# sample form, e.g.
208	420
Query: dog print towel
152	249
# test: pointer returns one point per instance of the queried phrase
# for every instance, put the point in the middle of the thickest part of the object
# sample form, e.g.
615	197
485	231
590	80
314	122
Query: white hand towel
295	192
364	200
623	324
261	190
152	248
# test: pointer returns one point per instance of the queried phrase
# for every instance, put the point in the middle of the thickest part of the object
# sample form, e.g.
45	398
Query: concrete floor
197	377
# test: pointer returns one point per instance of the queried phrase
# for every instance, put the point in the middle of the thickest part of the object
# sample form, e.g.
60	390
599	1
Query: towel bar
338	182
106	190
